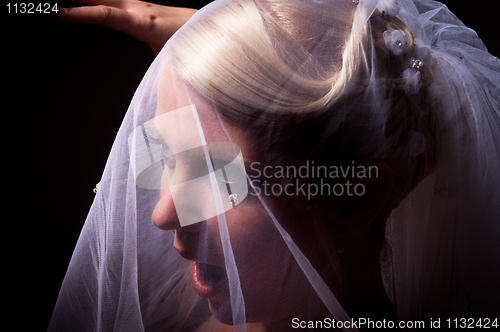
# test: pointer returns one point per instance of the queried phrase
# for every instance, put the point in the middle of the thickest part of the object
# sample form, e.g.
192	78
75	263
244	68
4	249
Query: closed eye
168	156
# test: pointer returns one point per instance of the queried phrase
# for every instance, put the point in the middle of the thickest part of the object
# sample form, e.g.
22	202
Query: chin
221	311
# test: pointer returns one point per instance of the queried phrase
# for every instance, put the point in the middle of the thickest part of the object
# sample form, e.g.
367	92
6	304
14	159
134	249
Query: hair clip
422	53
395	41
416	63
233	199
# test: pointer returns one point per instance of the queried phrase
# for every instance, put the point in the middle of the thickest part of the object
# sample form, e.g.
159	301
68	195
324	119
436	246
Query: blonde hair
252	59
240	58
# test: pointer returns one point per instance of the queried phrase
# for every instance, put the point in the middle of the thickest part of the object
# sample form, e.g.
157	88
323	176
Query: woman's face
268	273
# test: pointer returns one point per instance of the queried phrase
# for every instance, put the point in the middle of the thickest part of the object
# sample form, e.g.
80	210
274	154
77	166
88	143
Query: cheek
266	267
254	239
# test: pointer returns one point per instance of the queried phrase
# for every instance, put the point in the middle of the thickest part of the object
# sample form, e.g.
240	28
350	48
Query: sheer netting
301	164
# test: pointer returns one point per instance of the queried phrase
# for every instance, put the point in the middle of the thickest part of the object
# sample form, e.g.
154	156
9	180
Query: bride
183	236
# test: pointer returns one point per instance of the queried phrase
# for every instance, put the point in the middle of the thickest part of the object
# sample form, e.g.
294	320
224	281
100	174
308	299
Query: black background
66	88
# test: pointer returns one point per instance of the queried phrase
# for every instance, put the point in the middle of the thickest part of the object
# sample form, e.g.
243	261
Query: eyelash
169	158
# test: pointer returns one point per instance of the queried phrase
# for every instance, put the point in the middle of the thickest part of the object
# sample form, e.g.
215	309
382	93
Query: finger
110	17
113	3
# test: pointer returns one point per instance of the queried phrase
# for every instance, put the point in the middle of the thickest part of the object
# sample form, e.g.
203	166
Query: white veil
451	221
192	140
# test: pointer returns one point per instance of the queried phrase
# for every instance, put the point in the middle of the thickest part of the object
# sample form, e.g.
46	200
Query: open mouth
206	278
211	274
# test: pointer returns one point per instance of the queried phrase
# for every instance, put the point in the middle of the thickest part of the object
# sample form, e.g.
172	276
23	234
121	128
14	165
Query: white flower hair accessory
412	81
422	52
391	7
395	41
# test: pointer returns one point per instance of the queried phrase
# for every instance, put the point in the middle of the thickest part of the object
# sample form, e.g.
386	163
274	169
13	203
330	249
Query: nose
165	216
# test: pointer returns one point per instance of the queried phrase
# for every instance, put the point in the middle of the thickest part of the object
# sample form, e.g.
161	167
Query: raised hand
147	22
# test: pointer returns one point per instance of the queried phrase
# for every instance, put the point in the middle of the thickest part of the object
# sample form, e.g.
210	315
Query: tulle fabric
445	234
125	274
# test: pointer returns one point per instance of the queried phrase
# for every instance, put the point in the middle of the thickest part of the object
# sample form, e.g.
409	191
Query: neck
364	294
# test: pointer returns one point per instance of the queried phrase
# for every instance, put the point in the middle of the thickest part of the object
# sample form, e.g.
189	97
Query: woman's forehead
182	114
181	111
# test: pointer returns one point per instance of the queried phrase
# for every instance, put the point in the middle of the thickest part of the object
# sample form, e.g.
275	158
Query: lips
207	278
